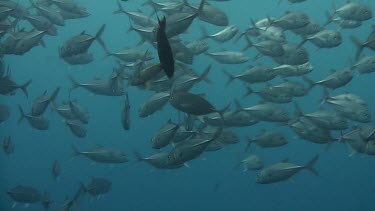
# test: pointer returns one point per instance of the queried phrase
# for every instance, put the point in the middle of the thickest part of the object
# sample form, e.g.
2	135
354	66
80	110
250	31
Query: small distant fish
8	145
102	155
4	113
125	114
55	170
98	187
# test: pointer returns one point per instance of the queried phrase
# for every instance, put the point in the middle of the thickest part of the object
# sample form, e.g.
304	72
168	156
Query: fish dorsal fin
285	160
238	104
45	92
83	32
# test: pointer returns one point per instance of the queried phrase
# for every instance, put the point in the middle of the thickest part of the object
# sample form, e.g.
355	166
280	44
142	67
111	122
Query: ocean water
211	182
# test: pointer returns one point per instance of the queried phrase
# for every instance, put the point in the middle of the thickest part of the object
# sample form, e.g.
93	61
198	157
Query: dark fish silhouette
164	49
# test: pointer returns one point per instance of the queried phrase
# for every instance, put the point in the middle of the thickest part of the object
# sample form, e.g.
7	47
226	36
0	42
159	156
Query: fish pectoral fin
292	180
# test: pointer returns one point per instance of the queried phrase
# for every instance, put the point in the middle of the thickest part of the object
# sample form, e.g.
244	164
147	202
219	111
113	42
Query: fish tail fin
310	165
120	9
98	37
83	187
131	27
204	33
217	134
204	75
248	145
302	42
230	77
249	91
24	87
326	95
249	43
76	152
22	114
240	35
297	112
221	113
359	45
54	94
309	81
329	19
74	82
201	6
137	155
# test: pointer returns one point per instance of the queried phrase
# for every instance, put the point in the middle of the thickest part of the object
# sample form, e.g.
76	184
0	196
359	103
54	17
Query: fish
365	65
286	70
24	194
8	145
293	55
4	113
29	41
221	36
290	20
137	17
79	59
164	49
209	13
192	104
269	112
76	127
102	155
266	48
158	160
335	80
98	186
268	139
369	43
229	57
326	38
283	171
78	112
354	11
190	149
125	114
8	86
81	43
55	170
154	103
41	102
252	162
164	135
252	75
271	94
51	14
36	122
197	47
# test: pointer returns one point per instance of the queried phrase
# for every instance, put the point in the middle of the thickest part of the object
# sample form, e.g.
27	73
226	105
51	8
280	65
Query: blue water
345	183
